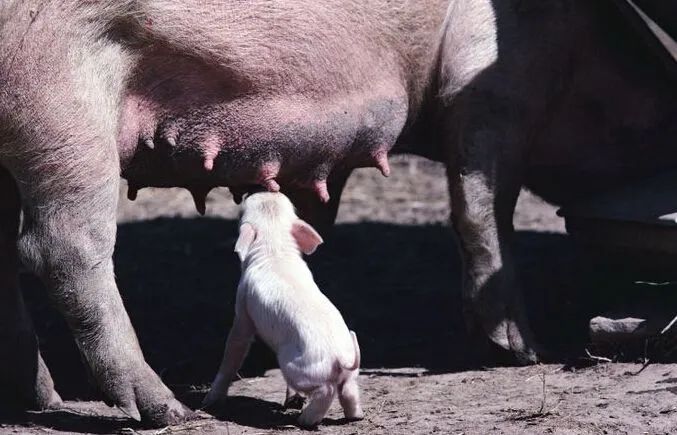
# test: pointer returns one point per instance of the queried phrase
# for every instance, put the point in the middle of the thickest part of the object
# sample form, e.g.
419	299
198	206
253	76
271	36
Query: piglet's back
288	307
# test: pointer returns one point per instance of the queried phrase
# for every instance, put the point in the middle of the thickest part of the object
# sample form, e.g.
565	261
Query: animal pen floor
391	268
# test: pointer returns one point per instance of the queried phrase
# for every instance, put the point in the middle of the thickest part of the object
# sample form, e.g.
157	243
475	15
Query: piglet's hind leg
293	400
349	397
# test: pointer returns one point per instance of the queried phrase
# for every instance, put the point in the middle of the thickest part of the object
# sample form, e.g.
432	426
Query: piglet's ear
244	242
306	237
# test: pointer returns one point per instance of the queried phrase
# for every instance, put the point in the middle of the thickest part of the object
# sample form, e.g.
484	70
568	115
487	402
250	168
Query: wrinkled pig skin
562	96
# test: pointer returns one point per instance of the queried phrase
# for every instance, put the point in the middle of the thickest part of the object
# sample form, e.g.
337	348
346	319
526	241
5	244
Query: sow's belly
200	130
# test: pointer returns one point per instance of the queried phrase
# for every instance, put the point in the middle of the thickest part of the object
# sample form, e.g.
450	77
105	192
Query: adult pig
558	95
178	93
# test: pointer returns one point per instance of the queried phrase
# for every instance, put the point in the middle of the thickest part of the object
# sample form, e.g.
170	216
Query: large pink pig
566	97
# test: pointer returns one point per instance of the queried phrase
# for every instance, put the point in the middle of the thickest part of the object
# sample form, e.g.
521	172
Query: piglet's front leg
293	400
237	346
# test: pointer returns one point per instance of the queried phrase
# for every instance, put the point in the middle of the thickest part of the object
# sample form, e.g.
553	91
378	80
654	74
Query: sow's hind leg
25	382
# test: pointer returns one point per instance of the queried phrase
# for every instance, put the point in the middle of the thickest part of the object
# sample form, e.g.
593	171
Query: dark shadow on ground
253	412
72	421
397	286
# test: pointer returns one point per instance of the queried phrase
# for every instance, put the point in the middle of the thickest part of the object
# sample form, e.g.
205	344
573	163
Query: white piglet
278	300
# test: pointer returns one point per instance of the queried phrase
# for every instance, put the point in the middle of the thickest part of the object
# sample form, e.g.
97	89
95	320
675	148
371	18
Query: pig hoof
509	336
148	400
43	400
294	402
53	402
167	414
157	413
527	357
307	425
354	414
505	324
18	393
212	398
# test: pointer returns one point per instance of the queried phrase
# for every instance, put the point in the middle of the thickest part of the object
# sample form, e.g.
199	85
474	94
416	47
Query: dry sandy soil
390	266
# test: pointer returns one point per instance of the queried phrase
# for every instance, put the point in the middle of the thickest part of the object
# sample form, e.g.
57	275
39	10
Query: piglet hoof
357	416
354	414
212	398
294	402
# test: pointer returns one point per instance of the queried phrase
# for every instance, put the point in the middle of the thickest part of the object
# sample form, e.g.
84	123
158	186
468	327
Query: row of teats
266	176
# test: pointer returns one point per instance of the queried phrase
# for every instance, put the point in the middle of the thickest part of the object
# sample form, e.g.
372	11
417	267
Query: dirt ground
391	267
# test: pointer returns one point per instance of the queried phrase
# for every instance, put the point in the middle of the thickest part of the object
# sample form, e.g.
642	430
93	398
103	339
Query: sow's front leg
58	114
67	239
25	382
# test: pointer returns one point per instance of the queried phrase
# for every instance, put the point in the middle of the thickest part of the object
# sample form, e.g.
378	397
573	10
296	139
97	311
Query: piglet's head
270	218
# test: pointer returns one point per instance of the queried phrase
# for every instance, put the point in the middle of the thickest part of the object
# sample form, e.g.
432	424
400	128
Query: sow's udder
198	129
